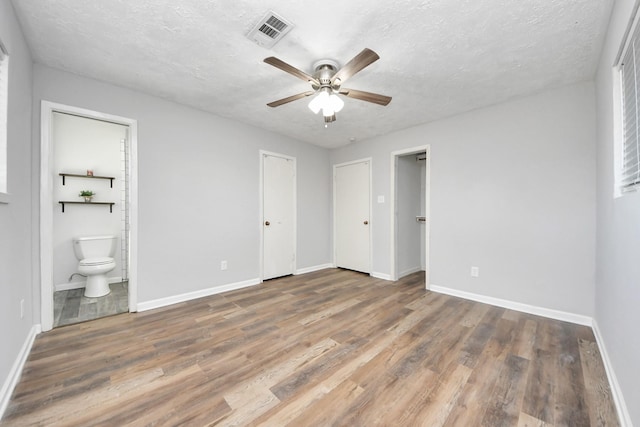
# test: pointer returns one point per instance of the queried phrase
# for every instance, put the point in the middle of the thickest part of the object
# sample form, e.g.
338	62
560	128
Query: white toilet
96	260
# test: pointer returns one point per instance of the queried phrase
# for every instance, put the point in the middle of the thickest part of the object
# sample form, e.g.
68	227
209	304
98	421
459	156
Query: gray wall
199	187
617	294
512	192
16	231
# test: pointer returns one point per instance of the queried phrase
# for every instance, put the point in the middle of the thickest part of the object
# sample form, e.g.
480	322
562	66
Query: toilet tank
94	246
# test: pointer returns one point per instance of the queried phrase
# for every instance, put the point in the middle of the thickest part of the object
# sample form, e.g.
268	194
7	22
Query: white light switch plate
475	272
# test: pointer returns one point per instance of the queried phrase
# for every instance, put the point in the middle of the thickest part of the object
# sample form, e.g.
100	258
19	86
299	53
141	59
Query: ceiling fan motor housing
325	69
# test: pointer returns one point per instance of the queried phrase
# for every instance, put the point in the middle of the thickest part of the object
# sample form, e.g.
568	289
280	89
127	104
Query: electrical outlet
223	265
22	309
475	272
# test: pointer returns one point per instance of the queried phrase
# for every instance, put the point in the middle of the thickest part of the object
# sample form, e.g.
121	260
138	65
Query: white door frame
46	202
371	224
263	154
393	207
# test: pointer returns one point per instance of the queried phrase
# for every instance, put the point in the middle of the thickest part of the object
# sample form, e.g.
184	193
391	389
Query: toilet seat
88	262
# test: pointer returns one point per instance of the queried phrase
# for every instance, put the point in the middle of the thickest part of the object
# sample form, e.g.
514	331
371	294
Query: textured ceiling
438	57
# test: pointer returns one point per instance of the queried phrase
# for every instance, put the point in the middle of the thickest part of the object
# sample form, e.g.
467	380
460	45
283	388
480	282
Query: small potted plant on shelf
87	194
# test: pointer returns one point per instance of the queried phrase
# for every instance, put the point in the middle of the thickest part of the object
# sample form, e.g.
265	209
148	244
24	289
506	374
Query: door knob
366	222
267	223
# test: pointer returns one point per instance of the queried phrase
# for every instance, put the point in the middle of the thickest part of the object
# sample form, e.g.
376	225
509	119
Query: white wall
16	231
80	144
617	293
512	192
408	201
198	187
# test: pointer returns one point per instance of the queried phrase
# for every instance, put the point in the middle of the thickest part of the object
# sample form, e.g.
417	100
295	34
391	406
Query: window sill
5	198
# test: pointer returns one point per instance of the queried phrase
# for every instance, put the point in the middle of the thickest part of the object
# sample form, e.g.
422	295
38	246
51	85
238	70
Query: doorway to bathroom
410	207
88	189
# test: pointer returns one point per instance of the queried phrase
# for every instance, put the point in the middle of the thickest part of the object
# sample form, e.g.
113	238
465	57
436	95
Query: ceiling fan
327	81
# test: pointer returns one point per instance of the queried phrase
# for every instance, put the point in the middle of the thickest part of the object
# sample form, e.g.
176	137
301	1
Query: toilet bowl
95	254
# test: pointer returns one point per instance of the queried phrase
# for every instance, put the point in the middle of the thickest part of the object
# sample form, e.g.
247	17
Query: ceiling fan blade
272	60
360	61
376	98
290	98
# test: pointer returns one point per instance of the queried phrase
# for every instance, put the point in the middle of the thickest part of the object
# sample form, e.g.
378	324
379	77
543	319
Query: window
4	80
629	158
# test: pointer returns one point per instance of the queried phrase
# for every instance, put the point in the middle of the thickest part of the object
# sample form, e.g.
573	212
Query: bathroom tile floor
72	307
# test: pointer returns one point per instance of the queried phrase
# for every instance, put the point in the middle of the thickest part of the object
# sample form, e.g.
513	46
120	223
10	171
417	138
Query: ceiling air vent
271	28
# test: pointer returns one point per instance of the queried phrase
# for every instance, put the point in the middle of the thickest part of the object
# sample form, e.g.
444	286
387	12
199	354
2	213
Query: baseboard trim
163	302
618	398
378	275
78	285
512	305
312	269
409	271
16	369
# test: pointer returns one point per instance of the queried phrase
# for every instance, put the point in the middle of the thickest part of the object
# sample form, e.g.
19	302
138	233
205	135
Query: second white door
278	220
352	222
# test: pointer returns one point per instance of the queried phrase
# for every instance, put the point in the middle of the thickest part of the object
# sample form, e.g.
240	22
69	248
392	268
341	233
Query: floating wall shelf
63	202
64	175
73	175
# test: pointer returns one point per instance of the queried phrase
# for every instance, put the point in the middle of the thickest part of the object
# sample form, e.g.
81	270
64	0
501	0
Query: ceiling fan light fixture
328	102
319	101
328	112
336	102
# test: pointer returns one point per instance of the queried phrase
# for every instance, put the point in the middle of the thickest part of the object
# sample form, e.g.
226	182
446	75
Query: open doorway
410	194
86	151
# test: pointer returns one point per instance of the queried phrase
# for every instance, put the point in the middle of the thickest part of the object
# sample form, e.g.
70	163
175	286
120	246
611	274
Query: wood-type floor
329	348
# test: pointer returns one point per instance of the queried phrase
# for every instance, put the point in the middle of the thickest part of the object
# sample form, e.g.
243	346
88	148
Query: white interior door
352	216
278	220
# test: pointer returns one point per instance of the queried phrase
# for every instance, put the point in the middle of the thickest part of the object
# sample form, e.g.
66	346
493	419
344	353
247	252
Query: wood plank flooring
329	348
